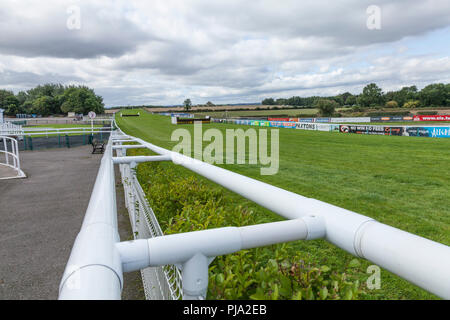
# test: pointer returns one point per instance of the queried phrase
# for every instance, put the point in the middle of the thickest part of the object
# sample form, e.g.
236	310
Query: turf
400	181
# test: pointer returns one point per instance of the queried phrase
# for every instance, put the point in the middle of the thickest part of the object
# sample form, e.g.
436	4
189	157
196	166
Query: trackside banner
432	118
344	120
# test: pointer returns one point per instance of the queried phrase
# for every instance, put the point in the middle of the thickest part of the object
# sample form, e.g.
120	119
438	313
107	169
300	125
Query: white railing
10	149
160	283
98	258
63	131
10	129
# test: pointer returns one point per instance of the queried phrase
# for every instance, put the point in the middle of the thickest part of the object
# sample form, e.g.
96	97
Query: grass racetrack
400	181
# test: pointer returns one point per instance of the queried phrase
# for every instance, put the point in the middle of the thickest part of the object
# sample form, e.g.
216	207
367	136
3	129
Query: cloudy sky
161	52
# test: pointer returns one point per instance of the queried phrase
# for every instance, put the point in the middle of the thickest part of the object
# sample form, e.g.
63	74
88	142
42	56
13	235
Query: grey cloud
46	33
29	79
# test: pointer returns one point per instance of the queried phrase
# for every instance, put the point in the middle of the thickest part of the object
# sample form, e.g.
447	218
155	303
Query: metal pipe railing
13	154
94	269
421	261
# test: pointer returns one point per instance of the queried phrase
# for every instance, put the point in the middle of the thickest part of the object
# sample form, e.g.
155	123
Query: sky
162	52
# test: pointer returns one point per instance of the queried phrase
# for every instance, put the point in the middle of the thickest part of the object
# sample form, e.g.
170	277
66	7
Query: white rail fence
10	129
9	148
177	265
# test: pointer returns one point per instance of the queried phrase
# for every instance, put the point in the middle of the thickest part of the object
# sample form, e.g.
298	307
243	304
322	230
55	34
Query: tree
210	104
43	105
392	104
9	102
268	102
434	95
187	104
81	100
351	100
326	107
371	96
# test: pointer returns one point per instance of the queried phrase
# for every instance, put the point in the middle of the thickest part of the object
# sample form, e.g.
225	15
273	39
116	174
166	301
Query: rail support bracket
195	277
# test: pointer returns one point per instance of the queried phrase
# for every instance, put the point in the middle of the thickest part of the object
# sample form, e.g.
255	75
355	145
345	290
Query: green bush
185	203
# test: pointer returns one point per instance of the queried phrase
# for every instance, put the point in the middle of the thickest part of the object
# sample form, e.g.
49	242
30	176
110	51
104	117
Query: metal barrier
10	129
98	258
12	159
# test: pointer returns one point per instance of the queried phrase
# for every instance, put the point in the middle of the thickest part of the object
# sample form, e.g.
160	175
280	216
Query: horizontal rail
178	248
140	159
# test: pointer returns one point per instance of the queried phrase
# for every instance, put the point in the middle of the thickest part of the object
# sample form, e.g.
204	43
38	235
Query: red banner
432	118
278	119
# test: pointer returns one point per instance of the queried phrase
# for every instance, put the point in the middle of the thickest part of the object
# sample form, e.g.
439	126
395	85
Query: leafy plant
184	203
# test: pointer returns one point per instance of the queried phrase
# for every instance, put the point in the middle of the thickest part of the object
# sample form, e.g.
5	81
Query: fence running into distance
8	128
176	266
10	149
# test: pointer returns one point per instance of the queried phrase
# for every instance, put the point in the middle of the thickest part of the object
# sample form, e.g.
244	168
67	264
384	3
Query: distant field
287	112
401	181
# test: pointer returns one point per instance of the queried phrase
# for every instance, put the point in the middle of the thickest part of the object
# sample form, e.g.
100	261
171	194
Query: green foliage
326	107
51	99
268	102
371	96
187	104
81	100
433	95
392	104
411	104
183	203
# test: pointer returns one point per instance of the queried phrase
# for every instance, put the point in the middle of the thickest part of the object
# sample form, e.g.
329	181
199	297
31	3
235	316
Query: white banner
350	120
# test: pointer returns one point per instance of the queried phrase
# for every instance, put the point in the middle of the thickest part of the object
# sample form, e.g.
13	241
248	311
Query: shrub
392	104
411	104
326	107
185	203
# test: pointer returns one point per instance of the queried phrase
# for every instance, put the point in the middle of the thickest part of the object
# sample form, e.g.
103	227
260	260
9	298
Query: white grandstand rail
12	158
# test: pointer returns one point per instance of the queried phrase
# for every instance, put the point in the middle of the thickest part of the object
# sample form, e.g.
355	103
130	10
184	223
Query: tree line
51	99
372	96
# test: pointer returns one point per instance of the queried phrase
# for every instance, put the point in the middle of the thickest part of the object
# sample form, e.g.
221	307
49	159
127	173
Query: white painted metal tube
179	248
94	269
423	262
344	228
128	146
140	159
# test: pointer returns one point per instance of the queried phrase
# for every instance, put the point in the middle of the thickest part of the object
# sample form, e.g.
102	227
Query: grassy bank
400	181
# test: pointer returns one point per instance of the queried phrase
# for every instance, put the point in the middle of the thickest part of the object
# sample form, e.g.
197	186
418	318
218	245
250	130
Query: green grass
400	181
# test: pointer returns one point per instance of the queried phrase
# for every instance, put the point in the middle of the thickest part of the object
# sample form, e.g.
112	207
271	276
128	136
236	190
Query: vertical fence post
30	143
67	141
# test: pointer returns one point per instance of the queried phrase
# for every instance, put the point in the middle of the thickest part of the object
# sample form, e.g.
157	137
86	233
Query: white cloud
160	52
